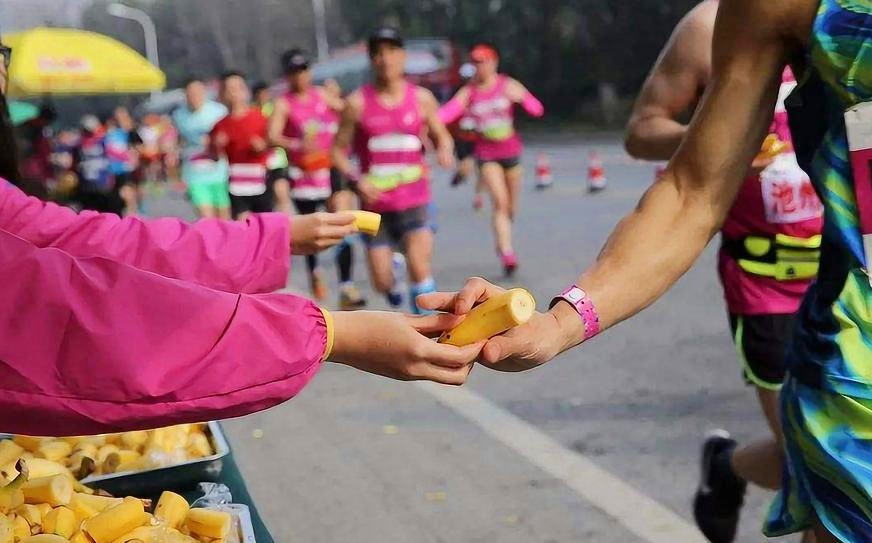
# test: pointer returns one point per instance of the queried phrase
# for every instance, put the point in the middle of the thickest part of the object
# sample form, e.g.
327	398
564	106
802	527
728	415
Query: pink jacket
110	324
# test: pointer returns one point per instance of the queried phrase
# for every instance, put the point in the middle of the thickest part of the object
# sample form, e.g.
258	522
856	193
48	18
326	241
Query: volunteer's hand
367	191
526	347
318	231
399	346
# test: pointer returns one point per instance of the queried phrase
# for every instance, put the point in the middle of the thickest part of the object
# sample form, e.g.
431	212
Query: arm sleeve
92	346
532	106
235	257
451	111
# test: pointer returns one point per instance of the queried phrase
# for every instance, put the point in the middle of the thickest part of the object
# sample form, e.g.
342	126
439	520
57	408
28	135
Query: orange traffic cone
544	177
596	175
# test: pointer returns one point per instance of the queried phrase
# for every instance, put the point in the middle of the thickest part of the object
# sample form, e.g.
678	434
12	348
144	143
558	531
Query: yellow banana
115	521
28	442
97	503
55	450
21	528
134	440
493	317
9	452
30	513
208	523
60	521
143	534
7	530
80	537
171	509
367	222
12	495
45	538
55	490
81	508
198	445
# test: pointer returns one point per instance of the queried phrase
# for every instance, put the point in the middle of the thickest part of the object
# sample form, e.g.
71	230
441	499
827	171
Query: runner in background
168	141
262	98
385	122
304	122
96	188
241	138
769	253
490	99
464	133
122	141
205	177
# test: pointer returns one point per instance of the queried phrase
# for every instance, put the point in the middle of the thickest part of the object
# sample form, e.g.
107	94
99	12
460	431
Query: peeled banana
493	317
367	222
772	147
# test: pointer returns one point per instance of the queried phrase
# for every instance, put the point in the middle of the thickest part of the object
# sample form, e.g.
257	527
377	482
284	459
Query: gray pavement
357	458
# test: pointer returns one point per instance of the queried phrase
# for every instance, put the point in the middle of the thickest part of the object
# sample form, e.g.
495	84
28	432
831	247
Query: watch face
575	295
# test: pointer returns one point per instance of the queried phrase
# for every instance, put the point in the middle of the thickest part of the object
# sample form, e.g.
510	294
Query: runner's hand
520	349
221	140
313	233
445	158
367	191
399	346
258	144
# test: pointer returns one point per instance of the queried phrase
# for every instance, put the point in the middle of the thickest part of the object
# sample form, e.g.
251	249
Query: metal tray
178	477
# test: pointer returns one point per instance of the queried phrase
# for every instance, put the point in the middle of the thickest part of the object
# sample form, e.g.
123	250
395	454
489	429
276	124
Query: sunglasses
6	53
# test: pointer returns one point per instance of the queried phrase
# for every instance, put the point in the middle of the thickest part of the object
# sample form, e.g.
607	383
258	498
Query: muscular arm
440	135
656	244
672	87
277	122
345	135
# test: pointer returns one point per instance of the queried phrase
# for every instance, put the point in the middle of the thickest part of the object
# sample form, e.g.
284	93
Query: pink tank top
388	144
314	123
781	200
494	115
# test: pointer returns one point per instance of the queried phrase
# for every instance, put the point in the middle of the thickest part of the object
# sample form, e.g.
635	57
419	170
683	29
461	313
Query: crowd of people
794	267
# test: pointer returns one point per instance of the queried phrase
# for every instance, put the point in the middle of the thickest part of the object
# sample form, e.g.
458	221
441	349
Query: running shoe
350	298
510	263
319	288
394	298
478	202
721	493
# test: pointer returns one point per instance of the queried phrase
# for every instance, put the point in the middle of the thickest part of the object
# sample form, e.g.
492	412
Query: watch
583	305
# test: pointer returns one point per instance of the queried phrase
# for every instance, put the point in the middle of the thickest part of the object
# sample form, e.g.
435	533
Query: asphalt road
600	445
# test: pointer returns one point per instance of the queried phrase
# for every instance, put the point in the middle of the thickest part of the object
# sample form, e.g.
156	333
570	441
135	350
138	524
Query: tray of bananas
140	463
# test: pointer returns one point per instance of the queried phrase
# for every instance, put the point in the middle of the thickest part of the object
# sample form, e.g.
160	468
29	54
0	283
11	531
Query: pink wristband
581	302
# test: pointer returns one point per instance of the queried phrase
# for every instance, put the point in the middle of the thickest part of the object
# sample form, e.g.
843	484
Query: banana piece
30	513
80	537
28	442
9	452
142	534
45	538
82	509
11	495
55	490
134	440
115	521
208	523
495	316
97	503
20	527
7	530
198	445
60	521
367	222
171	509
55	450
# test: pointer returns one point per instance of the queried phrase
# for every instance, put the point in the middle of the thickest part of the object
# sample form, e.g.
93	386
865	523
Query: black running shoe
721	493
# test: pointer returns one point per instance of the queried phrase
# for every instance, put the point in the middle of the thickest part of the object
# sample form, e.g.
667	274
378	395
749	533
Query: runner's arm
345	137
672	88
334	101
277	122
452	110
437	130
655	245
529	103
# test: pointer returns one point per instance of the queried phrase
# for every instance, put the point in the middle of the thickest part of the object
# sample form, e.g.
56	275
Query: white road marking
641	515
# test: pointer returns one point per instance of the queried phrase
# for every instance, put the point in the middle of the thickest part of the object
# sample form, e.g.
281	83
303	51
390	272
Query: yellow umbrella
64	61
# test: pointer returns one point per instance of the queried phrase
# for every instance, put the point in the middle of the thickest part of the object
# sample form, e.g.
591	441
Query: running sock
424	287
345	261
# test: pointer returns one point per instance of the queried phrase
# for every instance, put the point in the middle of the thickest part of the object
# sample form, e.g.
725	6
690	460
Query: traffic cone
596	175
544	177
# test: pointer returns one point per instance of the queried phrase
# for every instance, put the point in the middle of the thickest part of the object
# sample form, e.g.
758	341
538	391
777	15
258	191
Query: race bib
788	195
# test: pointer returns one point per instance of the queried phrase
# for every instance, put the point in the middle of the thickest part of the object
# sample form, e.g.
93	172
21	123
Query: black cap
385	34
295	60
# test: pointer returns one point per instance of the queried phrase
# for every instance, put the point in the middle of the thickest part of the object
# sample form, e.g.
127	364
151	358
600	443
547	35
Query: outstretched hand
400	346
525	347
